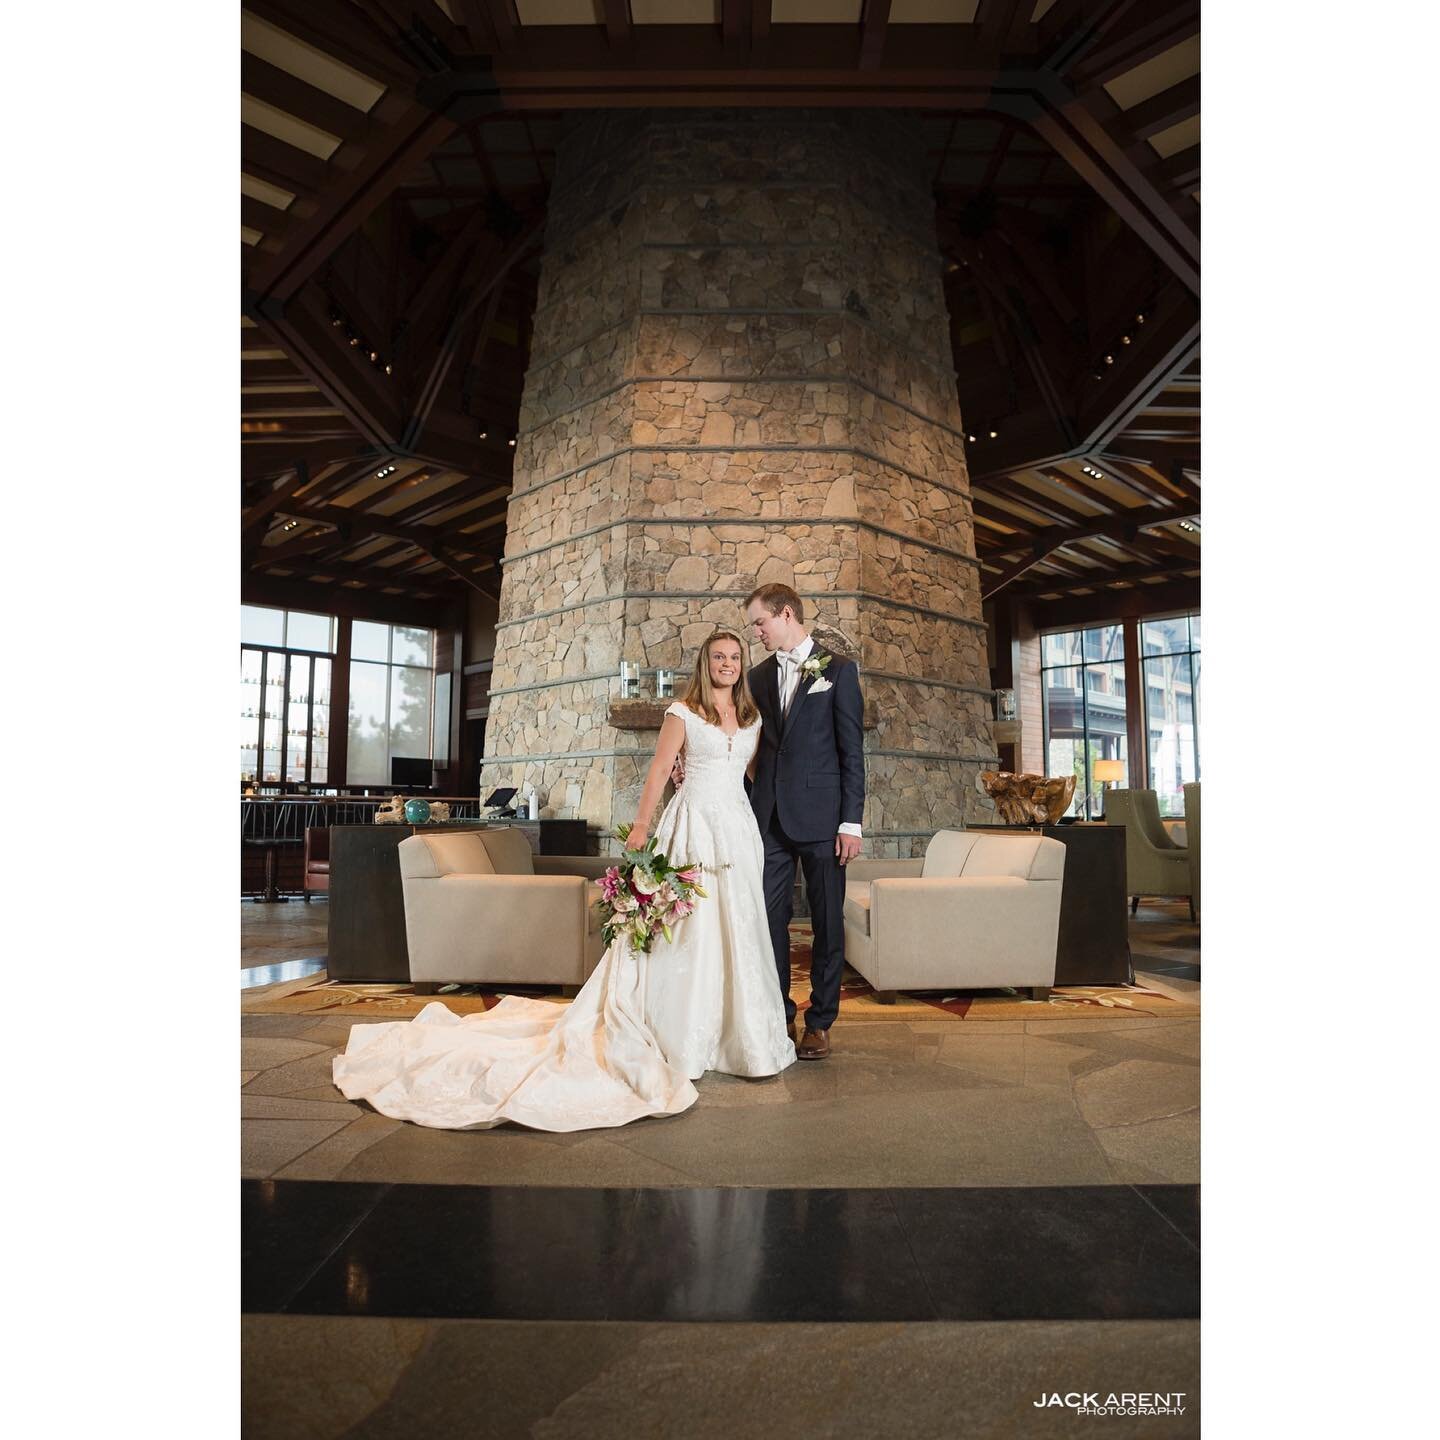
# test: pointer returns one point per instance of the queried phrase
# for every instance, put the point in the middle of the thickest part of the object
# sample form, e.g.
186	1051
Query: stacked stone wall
740	374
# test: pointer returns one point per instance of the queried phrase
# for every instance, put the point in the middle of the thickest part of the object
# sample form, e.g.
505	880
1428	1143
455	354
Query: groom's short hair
775	598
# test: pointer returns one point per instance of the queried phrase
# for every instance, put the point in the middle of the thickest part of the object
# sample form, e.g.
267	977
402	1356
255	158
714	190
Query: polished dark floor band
1102	1252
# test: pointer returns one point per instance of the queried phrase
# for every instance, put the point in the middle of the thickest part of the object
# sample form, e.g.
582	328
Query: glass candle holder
629	680
664	684
1004	704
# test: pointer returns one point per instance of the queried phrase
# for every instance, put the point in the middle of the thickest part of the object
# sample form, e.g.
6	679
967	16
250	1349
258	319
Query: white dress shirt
790	662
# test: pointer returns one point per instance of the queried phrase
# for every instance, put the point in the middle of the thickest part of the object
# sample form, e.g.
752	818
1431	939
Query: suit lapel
768	676
801	690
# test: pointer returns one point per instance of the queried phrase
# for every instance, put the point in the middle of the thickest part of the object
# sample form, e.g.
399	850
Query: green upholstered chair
1192	841
1154	864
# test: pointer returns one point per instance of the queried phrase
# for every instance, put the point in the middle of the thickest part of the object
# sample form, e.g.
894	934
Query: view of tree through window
392	686
1082	675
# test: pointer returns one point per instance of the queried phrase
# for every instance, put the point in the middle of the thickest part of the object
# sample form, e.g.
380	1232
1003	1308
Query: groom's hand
847	847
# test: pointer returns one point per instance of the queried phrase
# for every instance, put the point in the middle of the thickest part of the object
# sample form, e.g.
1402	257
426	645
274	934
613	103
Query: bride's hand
636	839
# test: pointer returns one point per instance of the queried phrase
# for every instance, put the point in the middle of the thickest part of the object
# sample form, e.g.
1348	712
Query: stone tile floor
1045	1102
1079	1101
396	1379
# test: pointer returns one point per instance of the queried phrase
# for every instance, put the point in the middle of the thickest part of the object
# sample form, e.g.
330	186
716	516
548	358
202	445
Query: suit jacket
811	764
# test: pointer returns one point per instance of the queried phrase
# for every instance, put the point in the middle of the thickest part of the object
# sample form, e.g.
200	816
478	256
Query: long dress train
643	1027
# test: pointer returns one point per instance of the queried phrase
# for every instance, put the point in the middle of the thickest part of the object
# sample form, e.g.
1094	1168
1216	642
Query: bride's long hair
700	697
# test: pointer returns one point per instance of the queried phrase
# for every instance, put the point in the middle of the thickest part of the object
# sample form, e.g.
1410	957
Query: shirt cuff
849	828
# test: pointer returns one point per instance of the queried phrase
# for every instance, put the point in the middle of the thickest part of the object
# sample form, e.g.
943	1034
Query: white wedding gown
643	1027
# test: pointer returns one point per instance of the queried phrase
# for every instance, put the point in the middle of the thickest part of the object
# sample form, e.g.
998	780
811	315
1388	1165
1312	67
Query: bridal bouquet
644	895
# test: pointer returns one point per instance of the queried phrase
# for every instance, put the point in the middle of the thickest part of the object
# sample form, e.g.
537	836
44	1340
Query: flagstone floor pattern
1111	1100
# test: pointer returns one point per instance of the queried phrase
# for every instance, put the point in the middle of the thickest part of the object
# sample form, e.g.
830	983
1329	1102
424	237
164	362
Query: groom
808	795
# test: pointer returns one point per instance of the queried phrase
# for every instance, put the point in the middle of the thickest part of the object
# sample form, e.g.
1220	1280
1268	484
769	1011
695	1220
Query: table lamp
1107	772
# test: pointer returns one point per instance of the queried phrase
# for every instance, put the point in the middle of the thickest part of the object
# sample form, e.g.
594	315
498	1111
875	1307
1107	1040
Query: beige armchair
979	911
1154	863
1192	839
481	907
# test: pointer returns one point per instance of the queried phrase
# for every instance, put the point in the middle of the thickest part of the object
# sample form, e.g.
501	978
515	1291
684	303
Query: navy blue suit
809	780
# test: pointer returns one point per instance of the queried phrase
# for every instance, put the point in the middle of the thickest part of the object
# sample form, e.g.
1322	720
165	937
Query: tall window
1171	651
1082	675
392	688
285	659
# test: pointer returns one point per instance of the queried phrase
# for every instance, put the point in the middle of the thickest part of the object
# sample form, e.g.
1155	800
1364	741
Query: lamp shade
1107	770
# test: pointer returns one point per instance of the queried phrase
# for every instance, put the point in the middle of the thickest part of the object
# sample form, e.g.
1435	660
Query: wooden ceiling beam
873	24
1104	579
1075	134
987	511
256	520
482	283
361	522
273	223
277	163
293	96
1160	112
286	429
457	494
1181	171
271	461
1142	369
617	27
1153	491
402	579
348	202
1009	488
337	28
1108	503
505	30
1142	32
366	395
1112	605
1117	527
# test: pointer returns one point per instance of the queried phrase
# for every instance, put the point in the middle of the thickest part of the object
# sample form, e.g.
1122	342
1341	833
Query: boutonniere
814	667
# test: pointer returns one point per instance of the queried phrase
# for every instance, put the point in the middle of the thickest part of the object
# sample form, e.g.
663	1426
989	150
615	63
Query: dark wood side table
1094	944
367	904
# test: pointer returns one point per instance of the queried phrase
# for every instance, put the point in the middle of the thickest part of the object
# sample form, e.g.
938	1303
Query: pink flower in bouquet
681	908
624	902
610	883
690	875
665	896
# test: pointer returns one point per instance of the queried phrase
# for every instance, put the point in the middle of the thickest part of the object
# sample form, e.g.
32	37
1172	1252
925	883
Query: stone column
740	373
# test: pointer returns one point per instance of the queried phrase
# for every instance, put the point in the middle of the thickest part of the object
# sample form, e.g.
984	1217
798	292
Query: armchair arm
861	872
591	867
498	923
1002	928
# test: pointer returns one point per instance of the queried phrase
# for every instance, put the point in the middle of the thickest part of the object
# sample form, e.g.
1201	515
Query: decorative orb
417	812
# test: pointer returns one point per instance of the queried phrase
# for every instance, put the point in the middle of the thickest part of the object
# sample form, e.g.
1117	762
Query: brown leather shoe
815	1045
794	1029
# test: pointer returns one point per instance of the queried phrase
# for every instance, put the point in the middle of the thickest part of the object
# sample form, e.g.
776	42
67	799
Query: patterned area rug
316	995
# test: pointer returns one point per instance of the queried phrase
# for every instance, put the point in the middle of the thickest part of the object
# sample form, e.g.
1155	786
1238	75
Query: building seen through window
285	723
1171	650
1083	694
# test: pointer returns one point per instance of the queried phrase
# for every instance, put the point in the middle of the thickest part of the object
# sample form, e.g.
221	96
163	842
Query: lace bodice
714	761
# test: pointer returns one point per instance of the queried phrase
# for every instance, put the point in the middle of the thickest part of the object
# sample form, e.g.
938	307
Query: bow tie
787	657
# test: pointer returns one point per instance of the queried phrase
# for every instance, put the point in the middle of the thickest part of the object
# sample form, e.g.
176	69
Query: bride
645	1025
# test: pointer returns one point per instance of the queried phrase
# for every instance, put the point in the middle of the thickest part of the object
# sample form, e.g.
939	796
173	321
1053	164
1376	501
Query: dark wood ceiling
396	158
